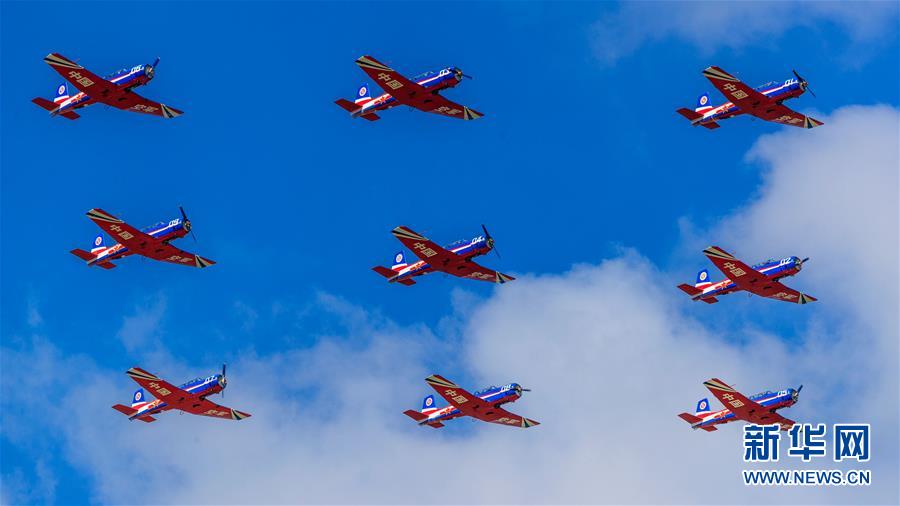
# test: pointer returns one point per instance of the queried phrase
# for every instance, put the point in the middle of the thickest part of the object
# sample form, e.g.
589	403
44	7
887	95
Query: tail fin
399	262
702	279
703	103
62	93
98	244
138	399
702	407
362	95
428	406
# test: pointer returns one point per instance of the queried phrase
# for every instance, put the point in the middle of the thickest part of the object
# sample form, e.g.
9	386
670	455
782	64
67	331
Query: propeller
187	226
222	381
490	240
804	260
797	393
519	390
156	63
460	75
804	84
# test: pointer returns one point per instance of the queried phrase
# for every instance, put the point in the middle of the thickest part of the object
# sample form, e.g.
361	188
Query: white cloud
612	351
713	25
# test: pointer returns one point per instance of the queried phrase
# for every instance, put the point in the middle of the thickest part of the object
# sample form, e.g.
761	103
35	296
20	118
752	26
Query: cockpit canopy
767	393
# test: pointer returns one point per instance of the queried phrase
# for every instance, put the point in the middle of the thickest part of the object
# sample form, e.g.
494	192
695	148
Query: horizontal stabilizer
712	125
689	114
384	271
371	116
415	415
710	300
689	418
125	410
406	282
436	425
107	265
348	105
709	428
690	290
44	103
82	254
70	115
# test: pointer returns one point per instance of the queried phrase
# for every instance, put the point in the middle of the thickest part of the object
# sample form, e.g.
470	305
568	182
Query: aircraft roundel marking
98	240
703	405
362	91
398	258
429	401
137	396
61	89
703	276
703	100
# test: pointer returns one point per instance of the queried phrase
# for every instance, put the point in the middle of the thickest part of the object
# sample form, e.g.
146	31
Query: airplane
764	102
760	279
483	405
455	259
116	90
151	242
759	409
190	397
421	92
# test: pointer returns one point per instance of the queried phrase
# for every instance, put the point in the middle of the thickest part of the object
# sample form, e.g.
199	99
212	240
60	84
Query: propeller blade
223	370
526	389
799	389
804	83
224	381
156	63
186	220
487	235
804	260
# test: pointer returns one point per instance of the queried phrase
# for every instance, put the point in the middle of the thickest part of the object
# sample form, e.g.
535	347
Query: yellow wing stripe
406	233
367	62
716	252
52	59
441	382
717	385
134	372
97	215
715	73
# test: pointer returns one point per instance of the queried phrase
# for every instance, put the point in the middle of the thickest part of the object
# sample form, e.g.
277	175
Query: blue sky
579	157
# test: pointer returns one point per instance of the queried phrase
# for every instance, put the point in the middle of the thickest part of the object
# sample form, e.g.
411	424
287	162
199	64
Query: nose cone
222	382
148	70
187	225
795	394
489	242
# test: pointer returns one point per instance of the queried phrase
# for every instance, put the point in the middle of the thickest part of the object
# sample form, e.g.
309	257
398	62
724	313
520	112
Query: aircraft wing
471	405
754	102
744	408
411	93
205	407
471	270
425	248
753	281
160	388
131	101
144	244
86	81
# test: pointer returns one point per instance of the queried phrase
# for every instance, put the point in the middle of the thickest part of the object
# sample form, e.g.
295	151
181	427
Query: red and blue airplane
759	409
764	102
483	405
421	92
151	242
116	90
455	259
190	397
760	279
